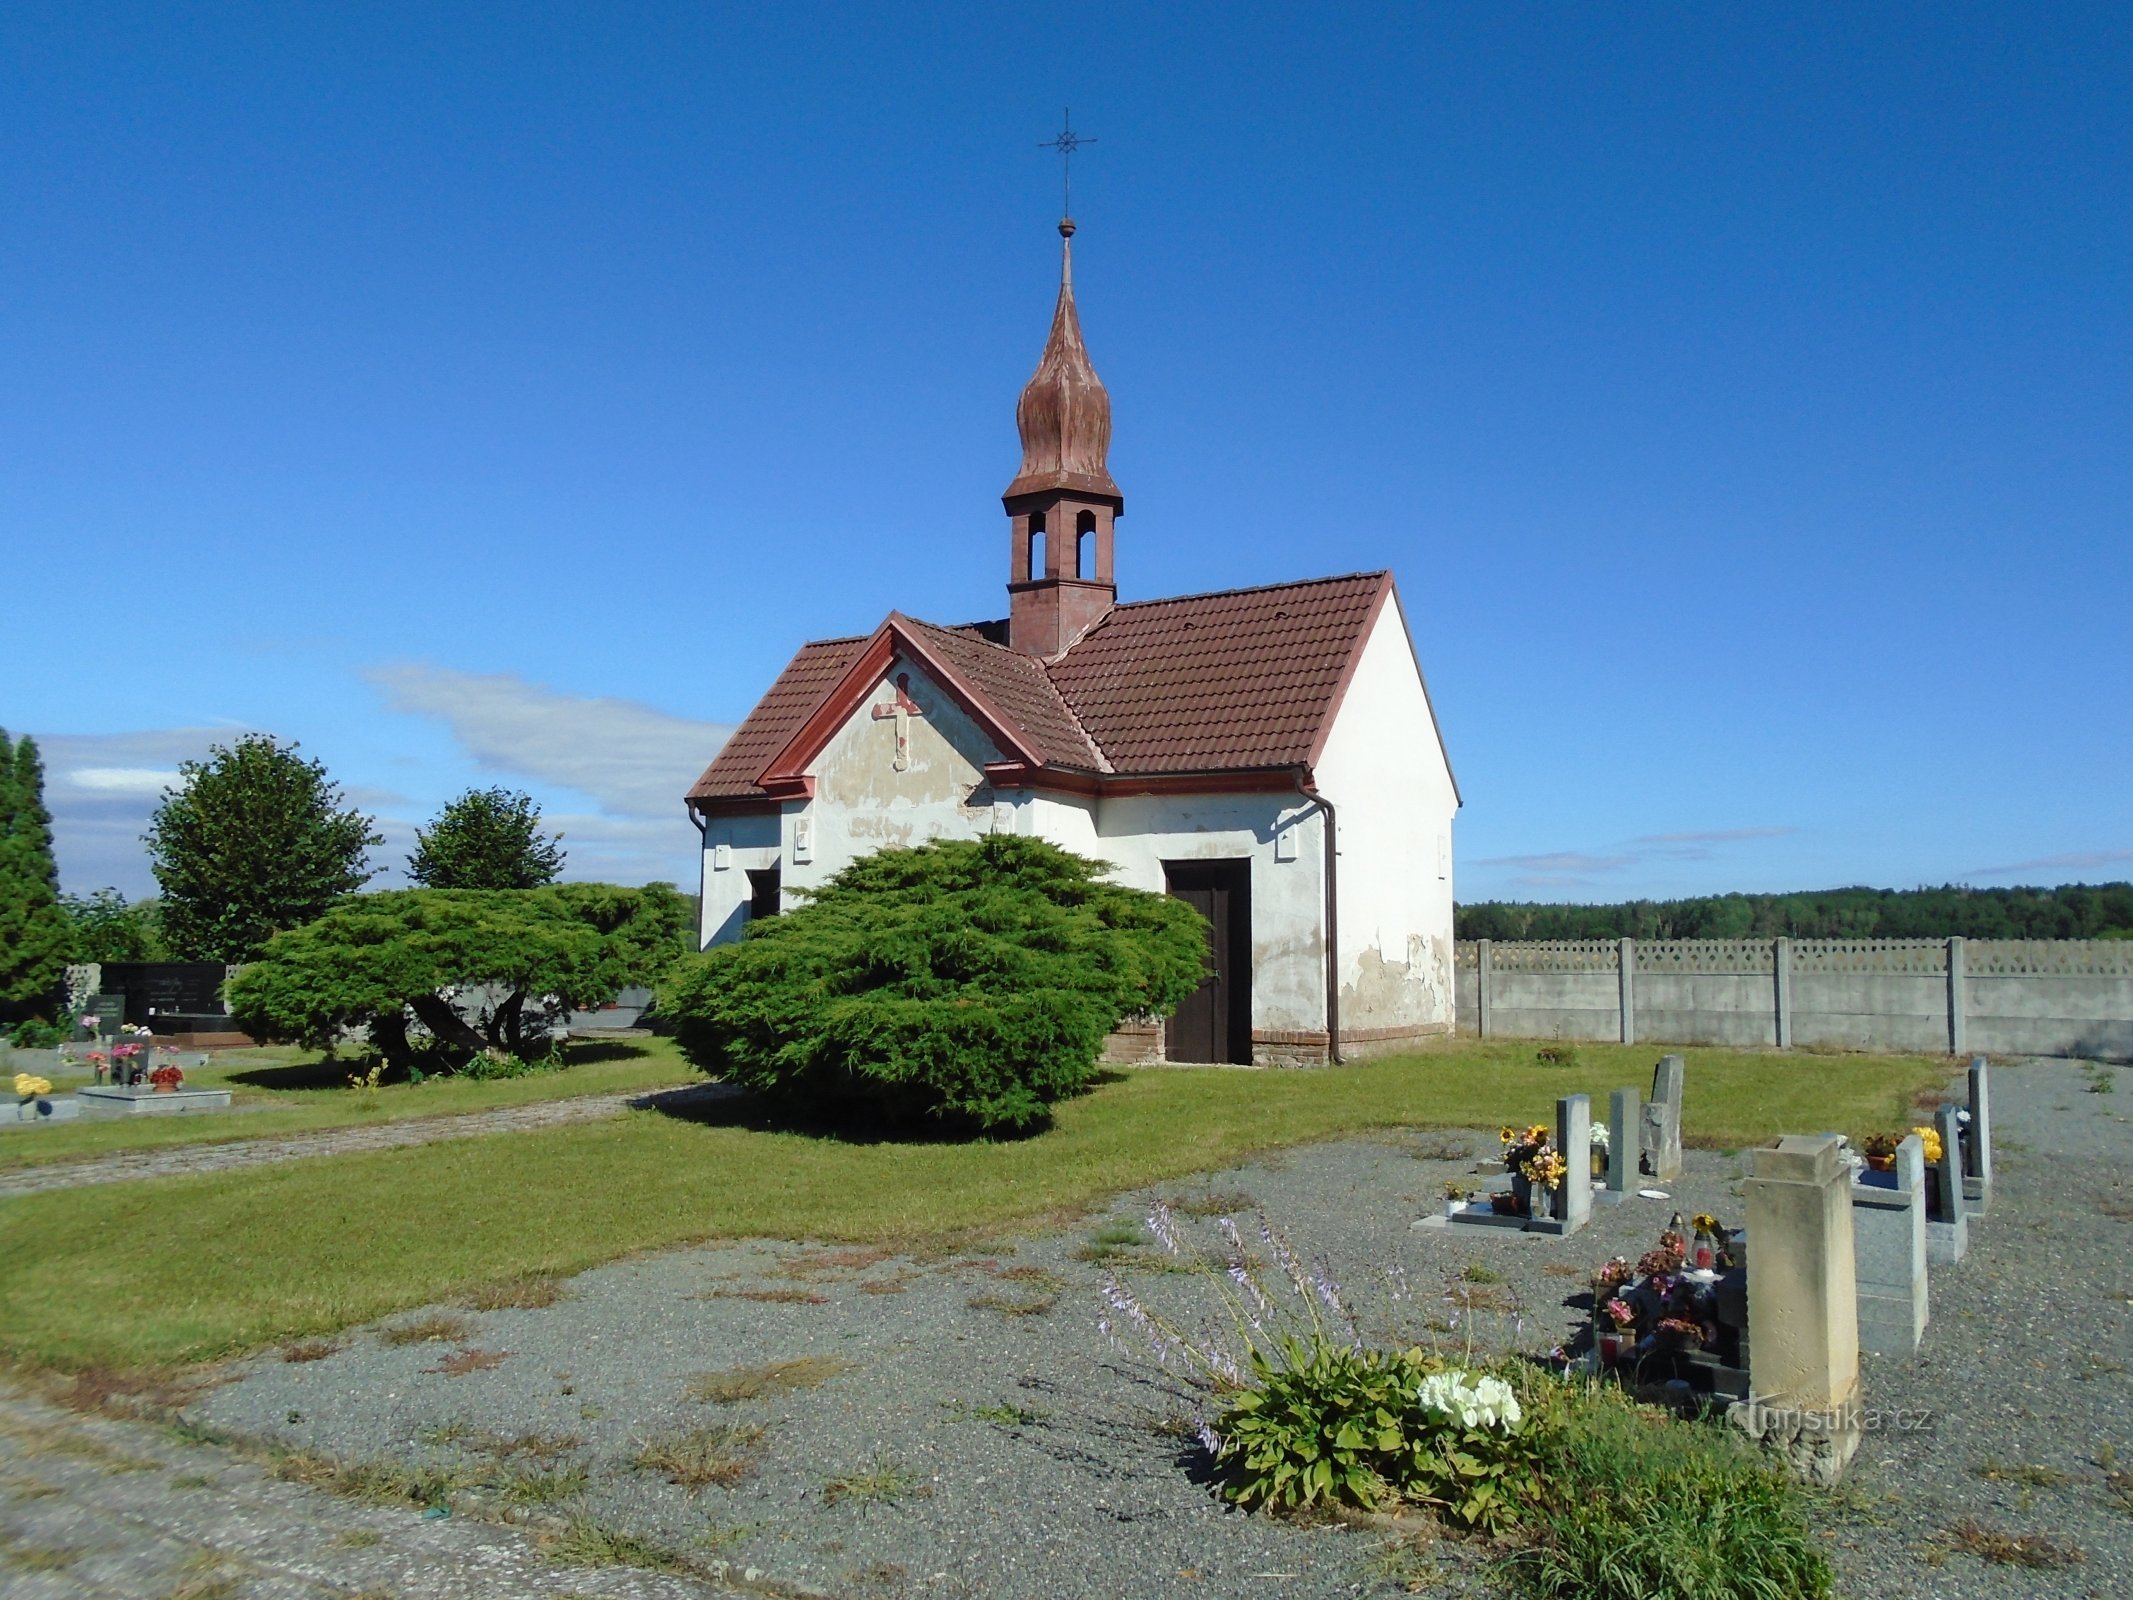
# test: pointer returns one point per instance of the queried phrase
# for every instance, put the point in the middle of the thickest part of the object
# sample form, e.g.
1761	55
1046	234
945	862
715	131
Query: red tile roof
1016	683
775	719
1244	678
1212	682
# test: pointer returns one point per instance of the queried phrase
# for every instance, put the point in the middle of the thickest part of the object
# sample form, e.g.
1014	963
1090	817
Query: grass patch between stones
735	1384
701	1458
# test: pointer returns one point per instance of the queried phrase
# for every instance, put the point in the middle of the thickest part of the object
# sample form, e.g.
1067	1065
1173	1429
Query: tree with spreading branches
486	839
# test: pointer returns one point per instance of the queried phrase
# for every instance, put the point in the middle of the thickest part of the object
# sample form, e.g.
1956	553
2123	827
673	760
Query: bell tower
1062	506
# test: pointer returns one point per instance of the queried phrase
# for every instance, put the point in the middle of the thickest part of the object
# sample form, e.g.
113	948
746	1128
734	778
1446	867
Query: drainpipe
702	824
1333	904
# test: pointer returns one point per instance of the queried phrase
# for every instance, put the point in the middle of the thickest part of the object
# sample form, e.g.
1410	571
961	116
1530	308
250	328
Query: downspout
703	870
1333	905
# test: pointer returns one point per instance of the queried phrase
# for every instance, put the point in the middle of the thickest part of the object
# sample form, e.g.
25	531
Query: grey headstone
1573	1136
1661	1135
1889	1245
1977	1143
1948	1235
1624	1139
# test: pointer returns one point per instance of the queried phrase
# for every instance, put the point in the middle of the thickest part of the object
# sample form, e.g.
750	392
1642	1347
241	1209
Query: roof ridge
1253	588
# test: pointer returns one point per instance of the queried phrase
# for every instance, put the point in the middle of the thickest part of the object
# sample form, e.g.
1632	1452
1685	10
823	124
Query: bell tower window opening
1037	568
1084	533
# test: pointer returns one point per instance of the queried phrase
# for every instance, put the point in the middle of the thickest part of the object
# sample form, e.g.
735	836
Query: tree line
2071	911
251	842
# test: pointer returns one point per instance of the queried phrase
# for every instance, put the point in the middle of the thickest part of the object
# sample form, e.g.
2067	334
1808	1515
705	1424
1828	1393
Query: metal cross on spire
1066	144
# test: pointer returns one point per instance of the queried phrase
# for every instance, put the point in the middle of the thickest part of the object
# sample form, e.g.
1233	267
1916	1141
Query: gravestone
1889	1237
1977	1142
1625	1123
1570	1207
1659	1147
1947	1221
1803	1307
109	1011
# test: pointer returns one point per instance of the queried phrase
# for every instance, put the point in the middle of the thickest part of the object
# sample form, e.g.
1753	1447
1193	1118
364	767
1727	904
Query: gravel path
971	1433
170	1160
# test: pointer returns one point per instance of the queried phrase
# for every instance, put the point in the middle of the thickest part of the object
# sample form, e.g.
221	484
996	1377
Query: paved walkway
96	1509
174	1160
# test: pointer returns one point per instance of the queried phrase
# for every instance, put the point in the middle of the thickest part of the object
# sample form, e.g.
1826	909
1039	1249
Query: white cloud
2077	861
101	789
122	780
633	760
1577	869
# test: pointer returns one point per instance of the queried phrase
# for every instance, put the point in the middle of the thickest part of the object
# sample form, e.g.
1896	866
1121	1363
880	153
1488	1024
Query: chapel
1270	755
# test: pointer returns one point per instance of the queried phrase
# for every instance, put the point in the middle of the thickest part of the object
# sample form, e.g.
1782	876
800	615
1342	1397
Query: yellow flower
1929	1136
1705	1222
29	1088
1508	1135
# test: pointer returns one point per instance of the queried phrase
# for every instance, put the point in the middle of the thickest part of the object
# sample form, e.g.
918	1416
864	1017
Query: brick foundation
1133	1044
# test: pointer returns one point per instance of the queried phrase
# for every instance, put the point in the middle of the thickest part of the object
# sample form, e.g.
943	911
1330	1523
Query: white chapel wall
1385	771
1138	833
732	845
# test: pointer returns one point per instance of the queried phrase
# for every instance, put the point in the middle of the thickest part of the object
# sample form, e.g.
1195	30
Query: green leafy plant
254	841
408	958
967	981
486	839
1328	1424
35	936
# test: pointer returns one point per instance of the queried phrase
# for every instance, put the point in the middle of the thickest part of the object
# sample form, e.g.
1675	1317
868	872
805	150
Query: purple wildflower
1164	1226
1242	1277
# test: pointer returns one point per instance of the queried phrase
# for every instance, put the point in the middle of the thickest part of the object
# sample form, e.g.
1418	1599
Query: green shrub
388	962
1608	1500
965	980
1328	1424
34	1034
1640	1505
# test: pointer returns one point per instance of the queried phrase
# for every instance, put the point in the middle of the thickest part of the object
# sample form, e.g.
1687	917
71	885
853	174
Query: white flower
1599	1136
1483	1403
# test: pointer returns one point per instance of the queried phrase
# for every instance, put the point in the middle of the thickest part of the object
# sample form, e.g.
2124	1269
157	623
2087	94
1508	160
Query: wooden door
1215	1022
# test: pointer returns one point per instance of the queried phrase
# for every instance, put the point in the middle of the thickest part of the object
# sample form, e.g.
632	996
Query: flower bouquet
29	1089
1880	1151
1614	1325
1929	1136
166	1079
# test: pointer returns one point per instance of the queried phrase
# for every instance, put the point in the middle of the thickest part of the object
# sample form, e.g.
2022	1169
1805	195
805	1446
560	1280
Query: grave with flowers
1678	1315
1547	1175
33	1102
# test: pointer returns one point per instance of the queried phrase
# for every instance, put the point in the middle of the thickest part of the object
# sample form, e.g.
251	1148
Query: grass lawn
283	1091
210	1265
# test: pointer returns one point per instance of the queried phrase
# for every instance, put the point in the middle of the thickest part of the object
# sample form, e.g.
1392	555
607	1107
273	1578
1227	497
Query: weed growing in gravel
884	1482
534	1292
719	1536
895	1285
1972	1538
357	1539
1480	1272
461	1362
586	1543
309	1350
542	1487
440	1327
371	1480
1212	1203
442	1433
772	1296
192	1480
1111	1242
735	1384
545	1448
210	1586
1040	1292
1008	1416
700	1457
36	1557
2022	1472
1402	1564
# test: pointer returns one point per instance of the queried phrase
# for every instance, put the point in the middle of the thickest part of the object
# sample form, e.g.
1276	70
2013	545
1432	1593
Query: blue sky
498	395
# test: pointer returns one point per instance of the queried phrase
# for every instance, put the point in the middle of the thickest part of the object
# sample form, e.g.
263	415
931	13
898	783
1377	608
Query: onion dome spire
1064	413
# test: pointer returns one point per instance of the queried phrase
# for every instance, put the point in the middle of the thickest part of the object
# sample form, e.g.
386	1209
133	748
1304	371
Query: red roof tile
1210	682
776	718
1016	684
1244	678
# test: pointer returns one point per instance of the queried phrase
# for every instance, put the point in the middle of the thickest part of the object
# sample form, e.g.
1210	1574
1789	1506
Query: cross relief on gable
903	708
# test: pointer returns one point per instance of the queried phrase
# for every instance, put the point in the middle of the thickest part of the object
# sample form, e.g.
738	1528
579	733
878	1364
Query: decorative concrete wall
2067	997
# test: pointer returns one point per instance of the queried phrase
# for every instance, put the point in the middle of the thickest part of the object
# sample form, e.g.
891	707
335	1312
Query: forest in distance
2071	911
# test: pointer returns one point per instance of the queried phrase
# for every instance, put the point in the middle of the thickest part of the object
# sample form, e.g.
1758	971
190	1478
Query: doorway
1215	1022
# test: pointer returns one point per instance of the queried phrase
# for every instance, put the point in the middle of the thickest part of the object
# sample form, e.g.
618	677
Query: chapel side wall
1384	770
1138	833
862	802
732	845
